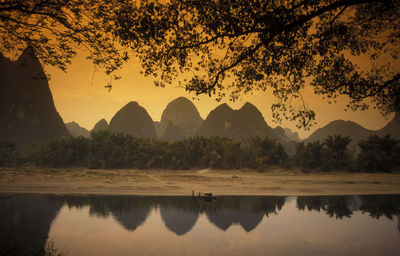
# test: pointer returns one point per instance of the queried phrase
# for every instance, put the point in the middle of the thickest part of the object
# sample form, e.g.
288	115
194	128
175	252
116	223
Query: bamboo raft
205	196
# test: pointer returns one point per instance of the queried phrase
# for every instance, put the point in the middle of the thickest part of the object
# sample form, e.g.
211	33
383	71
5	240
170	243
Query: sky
79	95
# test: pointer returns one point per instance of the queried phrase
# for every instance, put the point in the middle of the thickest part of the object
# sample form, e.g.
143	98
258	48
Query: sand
170	182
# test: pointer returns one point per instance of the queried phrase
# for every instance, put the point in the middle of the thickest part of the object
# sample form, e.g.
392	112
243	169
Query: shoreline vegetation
118	164
108	150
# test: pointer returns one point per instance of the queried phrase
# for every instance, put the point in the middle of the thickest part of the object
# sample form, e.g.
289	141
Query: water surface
131	225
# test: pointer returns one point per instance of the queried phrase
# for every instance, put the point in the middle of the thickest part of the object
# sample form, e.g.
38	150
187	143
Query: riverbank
220	182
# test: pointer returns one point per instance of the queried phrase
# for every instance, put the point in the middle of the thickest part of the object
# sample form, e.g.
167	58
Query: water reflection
25	220
334	206
246	211
25	223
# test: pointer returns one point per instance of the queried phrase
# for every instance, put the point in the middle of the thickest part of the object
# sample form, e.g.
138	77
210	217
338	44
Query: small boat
205	196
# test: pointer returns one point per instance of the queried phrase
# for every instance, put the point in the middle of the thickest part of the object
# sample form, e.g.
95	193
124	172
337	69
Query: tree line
106	149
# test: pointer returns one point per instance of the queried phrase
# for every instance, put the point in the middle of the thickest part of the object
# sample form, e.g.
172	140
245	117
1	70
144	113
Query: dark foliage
115	150
378	154
234	47
8	154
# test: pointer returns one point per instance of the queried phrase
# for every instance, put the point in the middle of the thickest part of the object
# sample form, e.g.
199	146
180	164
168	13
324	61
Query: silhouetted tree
308	156
55	29
378	154
282	45
334	153
265	151
8	154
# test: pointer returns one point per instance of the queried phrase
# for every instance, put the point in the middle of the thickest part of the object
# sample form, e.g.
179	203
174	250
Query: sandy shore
220	182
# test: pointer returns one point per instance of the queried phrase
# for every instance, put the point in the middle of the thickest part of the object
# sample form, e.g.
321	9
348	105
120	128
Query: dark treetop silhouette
237	46
58	29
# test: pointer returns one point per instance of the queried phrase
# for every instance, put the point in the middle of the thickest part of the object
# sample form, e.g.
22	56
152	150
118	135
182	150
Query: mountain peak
134	120
248	105
76	130
183	114
100	125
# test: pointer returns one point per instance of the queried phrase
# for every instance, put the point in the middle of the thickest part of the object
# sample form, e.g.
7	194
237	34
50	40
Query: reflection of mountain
224	218
179	221
133	218
25	223
246	211
129	211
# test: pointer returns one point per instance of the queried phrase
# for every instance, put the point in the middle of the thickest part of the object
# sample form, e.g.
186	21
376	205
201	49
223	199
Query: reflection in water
334	206
179	214
132	218
25	220
246	211
25	223
177	220
398	222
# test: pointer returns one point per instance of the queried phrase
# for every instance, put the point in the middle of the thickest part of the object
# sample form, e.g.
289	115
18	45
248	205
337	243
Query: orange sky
78	99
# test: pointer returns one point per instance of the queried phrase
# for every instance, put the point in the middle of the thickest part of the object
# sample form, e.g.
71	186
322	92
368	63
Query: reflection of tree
337	206
381	205
25	223
341	206
312	203
273	203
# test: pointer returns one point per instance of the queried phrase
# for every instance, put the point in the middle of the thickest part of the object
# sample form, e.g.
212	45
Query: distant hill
345	128
184	117
392	128
75	130
235	124
134	120
173	133
158	128
100	125
291	135
27	112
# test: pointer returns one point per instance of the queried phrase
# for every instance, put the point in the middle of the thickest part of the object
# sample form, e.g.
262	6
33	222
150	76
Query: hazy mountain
75	130
134	120
158	128
100	125
291	135
27	111
392	128
235	124
25	222
182	114
173	133
345	128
